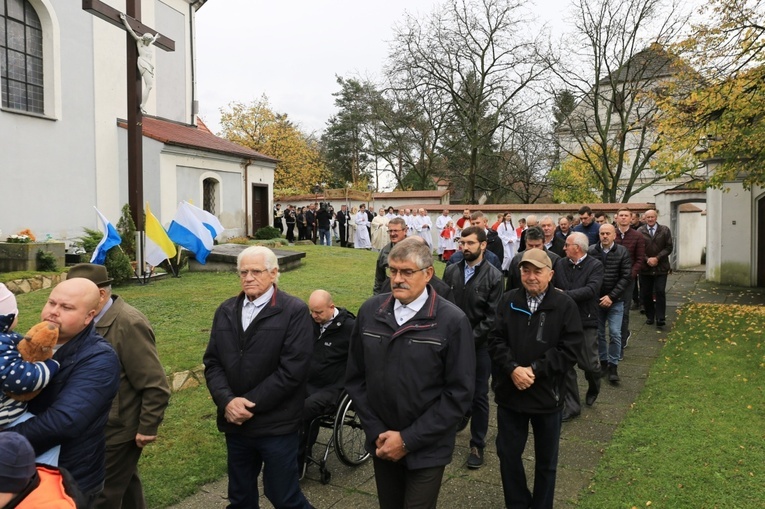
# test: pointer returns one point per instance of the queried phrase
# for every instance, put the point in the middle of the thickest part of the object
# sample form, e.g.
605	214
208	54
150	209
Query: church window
21	57
209	190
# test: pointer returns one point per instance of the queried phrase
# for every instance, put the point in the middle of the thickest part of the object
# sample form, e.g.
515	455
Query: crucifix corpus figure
145	59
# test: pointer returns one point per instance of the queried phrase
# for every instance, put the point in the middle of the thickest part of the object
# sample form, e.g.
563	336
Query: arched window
209	191
21	57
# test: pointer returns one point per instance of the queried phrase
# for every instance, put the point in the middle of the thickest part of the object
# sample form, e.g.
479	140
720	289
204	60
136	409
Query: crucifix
137	35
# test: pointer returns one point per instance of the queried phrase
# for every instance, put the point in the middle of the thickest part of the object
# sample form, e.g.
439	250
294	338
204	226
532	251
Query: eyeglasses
468	242
404	273
251	272
394	231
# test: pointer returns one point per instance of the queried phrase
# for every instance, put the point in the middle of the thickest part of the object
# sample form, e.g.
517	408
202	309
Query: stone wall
39	282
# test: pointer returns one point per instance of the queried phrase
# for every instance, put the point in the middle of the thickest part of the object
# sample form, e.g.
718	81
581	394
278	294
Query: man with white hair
256	367
531	220
580	276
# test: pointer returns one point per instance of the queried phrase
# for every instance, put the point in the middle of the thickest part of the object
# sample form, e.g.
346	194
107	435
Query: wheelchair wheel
349	436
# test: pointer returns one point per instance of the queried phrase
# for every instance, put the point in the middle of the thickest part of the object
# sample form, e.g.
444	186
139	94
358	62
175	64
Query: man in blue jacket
411	372
73	409
256	367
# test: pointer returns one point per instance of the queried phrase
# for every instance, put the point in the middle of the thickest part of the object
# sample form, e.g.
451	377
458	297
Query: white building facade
62	149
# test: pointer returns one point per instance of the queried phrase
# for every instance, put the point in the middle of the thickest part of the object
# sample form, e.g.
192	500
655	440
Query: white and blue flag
208	220
189	231
110	239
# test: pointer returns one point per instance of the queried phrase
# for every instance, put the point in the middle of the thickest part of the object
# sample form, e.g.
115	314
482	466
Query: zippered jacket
417	378
547	340
267	363
479	298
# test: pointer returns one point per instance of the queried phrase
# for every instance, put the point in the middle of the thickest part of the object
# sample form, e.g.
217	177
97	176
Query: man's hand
523	377
236	410
142	440
390	446
653	261
605	301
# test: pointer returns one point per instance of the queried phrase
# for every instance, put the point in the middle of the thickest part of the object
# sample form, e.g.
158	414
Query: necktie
651	230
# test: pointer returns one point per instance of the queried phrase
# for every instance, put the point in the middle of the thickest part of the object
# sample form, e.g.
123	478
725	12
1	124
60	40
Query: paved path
582	442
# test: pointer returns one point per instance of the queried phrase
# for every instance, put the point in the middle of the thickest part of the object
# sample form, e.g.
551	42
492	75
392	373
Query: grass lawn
696	435
181	309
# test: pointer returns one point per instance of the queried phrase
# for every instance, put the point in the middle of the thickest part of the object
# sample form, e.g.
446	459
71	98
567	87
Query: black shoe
592	392
568	416
603	368
463	423
642	311
649	321
475	459
613	375
661	323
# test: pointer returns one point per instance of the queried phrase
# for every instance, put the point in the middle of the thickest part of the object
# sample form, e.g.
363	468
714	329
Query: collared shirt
579	260
405	312
470	271
251	308
103	310
323	327
605	249
534	302
652	230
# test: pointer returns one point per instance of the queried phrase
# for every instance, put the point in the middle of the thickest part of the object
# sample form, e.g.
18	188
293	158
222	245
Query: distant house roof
376	196
196	137
652	63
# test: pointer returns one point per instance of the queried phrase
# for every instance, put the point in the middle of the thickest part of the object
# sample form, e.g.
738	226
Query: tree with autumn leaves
259	127
717	112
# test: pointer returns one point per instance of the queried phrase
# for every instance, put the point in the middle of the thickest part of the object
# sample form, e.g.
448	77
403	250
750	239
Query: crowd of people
515	311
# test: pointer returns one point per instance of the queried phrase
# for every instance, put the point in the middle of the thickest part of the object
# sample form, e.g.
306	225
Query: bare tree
523	159
476	57
614	67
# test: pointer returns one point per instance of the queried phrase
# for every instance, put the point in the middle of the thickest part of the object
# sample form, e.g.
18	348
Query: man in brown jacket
139	407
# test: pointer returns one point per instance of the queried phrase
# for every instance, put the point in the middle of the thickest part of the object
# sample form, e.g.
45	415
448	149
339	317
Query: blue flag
111	238
188	231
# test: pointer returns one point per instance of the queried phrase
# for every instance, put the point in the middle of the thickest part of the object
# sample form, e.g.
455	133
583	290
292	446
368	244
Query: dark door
260	215
760	242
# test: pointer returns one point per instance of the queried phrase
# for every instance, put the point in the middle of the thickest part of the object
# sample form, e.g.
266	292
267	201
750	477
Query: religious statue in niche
145	59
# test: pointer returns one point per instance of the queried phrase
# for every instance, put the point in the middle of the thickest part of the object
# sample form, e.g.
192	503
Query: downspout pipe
246	165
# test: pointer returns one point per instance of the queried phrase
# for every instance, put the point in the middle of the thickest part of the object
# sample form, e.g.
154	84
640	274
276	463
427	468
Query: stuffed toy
36	346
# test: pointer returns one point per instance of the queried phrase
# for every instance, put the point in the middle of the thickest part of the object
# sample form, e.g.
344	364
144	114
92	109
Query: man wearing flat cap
143	395
533	344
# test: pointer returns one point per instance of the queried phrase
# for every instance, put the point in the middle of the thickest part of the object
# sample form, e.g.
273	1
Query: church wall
46	164
171	71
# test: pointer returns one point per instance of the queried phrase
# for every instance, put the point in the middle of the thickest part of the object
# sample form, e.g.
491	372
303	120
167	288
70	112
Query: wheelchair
346	438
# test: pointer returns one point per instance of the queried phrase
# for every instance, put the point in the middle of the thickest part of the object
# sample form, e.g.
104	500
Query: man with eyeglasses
397	231
411	371
477	288
256	367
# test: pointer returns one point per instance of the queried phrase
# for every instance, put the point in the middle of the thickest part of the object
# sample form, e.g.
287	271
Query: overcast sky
292	50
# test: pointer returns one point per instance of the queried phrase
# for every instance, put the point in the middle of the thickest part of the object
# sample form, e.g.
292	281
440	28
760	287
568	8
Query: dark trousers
650	287
343	235
401	488
512	434
122	487
589	361
246	457
479	411
291	232
317	404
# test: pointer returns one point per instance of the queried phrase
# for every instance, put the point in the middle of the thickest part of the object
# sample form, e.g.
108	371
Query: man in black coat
477	287
411	372
617	267
256	367
553	243
290	218
653	276
534	240
342	225
310	222
324	223
534	342
326	378
580	277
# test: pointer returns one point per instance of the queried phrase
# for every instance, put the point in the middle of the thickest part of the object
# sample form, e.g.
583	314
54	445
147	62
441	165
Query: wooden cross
134	114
